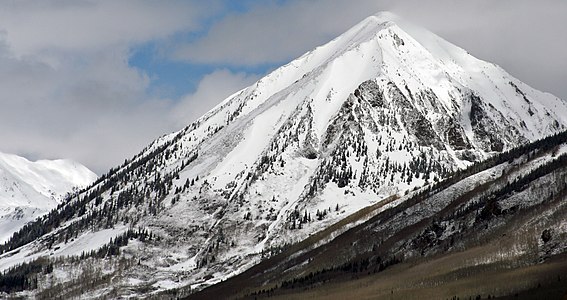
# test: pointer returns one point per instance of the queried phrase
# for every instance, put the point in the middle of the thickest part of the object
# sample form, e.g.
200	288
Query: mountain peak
29	189
51	178
384	16
369	27
376	112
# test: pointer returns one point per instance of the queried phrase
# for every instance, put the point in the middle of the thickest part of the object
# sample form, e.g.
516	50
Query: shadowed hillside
495	229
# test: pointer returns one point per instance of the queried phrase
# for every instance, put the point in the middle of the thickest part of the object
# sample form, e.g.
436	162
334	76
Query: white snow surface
29	189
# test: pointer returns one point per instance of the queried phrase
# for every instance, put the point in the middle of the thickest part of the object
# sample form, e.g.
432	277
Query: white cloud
212	89
66	89
34	26
97	112
274	33
73	109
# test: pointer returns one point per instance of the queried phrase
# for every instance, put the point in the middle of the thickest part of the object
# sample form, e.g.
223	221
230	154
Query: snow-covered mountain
30	189
384	108
495	229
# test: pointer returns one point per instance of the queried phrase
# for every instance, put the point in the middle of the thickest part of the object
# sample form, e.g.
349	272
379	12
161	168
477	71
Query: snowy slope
384	108
30	189
506	215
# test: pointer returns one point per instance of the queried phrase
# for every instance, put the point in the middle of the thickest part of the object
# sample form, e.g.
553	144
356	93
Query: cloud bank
66	89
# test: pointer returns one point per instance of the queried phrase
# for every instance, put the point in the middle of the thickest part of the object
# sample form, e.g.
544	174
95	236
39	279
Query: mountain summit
382	109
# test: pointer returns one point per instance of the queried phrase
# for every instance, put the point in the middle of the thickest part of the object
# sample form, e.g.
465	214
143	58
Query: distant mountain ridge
30	189
383	109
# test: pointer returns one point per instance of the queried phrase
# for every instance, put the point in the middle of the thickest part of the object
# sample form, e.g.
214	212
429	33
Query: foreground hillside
498	228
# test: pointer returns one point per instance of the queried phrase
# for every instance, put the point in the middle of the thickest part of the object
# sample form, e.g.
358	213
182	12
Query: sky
97	81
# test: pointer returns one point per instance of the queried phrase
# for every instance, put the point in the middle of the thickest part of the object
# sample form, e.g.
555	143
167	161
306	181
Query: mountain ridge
30	189
371	114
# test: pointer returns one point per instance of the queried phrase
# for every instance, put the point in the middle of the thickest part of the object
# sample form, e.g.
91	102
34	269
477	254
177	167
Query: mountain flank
360	125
